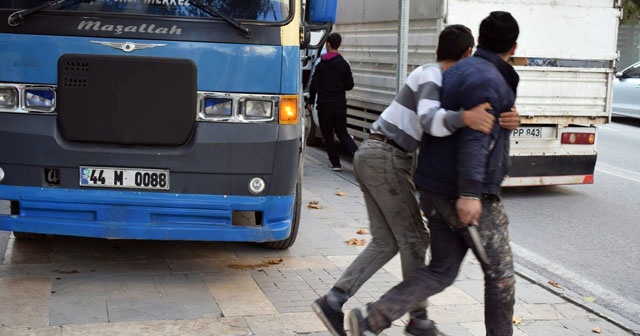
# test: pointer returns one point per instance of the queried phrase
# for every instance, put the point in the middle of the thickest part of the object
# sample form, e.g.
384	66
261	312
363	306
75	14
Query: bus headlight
258	109
8	97
217	107
243	108
256	185
40	99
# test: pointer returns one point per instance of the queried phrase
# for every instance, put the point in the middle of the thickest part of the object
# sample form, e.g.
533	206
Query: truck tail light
571	138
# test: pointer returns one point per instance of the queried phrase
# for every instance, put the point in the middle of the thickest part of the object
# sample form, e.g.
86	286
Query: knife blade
477	243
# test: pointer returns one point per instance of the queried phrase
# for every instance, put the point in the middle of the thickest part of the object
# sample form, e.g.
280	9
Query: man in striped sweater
383	166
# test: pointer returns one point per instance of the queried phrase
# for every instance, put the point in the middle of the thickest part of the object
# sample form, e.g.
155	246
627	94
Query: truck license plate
534	132
527	132
134	178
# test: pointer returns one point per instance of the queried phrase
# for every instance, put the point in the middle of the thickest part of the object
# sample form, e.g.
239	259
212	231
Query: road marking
602	294
619	172
608	127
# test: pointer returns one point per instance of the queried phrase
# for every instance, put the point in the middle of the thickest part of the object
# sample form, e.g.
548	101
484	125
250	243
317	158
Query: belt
382	138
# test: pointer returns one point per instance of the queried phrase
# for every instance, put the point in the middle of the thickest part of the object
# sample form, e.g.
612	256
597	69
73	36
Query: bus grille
126	100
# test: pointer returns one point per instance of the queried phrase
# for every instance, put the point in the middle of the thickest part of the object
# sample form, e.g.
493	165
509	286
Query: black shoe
358	323
332	319
424	328
335	168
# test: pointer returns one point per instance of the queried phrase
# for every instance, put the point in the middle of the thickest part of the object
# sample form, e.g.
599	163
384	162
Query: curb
577	300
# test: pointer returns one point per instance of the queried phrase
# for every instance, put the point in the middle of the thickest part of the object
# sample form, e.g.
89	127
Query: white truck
566	59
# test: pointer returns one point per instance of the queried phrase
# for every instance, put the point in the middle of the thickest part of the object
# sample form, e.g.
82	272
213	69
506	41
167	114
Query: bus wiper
215	12
17	18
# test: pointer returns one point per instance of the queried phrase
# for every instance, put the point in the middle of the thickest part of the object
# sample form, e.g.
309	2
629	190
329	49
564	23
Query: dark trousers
333	119
448	248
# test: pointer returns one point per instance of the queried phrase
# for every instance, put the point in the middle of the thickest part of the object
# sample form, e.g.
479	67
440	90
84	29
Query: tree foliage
631	11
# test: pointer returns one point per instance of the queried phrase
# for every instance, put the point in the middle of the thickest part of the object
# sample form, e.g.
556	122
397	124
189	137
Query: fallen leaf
314	205
596	330
340	193
517	320
555	284
275	261
356	242
589	299
362	231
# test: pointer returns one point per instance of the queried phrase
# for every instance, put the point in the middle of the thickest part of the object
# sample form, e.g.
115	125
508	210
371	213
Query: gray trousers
448	248
395	222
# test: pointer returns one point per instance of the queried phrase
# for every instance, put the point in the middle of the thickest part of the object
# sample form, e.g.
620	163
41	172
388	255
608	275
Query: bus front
151	119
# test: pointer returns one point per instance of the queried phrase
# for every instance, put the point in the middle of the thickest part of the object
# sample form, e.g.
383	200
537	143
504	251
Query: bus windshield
245	10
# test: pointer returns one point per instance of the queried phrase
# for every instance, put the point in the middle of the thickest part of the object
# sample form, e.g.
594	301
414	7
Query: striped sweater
416	109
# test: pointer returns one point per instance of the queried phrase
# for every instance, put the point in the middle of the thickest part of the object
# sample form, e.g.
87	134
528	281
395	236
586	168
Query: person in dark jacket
331	79
459	179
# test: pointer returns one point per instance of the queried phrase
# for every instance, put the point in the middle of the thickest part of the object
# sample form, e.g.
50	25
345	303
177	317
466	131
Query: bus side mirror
322	11
315	39
306	38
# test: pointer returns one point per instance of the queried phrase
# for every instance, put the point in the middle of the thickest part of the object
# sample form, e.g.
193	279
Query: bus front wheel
295	223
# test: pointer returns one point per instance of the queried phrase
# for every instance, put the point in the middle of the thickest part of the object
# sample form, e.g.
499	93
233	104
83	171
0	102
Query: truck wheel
312	139
28	235
295	223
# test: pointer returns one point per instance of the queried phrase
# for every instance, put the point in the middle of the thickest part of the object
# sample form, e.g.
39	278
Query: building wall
628	45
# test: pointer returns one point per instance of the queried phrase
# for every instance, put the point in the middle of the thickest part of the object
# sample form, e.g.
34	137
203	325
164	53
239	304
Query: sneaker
335	168
332	319
358	323
422	329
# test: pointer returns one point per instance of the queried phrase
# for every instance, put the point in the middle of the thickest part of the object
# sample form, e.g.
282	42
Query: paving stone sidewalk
458	310
80	287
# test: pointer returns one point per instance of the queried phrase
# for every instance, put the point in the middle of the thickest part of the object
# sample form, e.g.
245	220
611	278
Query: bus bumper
144	215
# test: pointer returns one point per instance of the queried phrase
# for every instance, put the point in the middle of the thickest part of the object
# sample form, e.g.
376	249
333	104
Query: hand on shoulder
510	120
479	118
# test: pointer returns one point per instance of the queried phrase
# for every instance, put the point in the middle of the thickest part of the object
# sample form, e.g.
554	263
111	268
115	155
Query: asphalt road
584	238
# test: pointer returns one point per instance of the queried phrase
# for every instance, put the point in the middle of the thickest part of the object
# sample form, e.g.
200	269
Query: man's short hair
498	32
335	40
453	41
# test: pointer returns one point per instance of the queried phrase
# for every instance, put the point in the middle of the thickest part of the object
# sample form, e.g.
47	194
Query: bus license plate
134	178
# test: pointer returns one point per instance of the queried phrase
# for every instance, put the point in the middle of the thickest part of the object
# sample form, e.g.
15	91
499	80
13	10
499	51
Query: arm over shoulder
425	83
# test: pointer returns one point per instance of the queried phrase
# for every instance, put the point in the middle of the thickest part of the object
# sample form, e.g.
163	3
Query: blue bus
154	119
